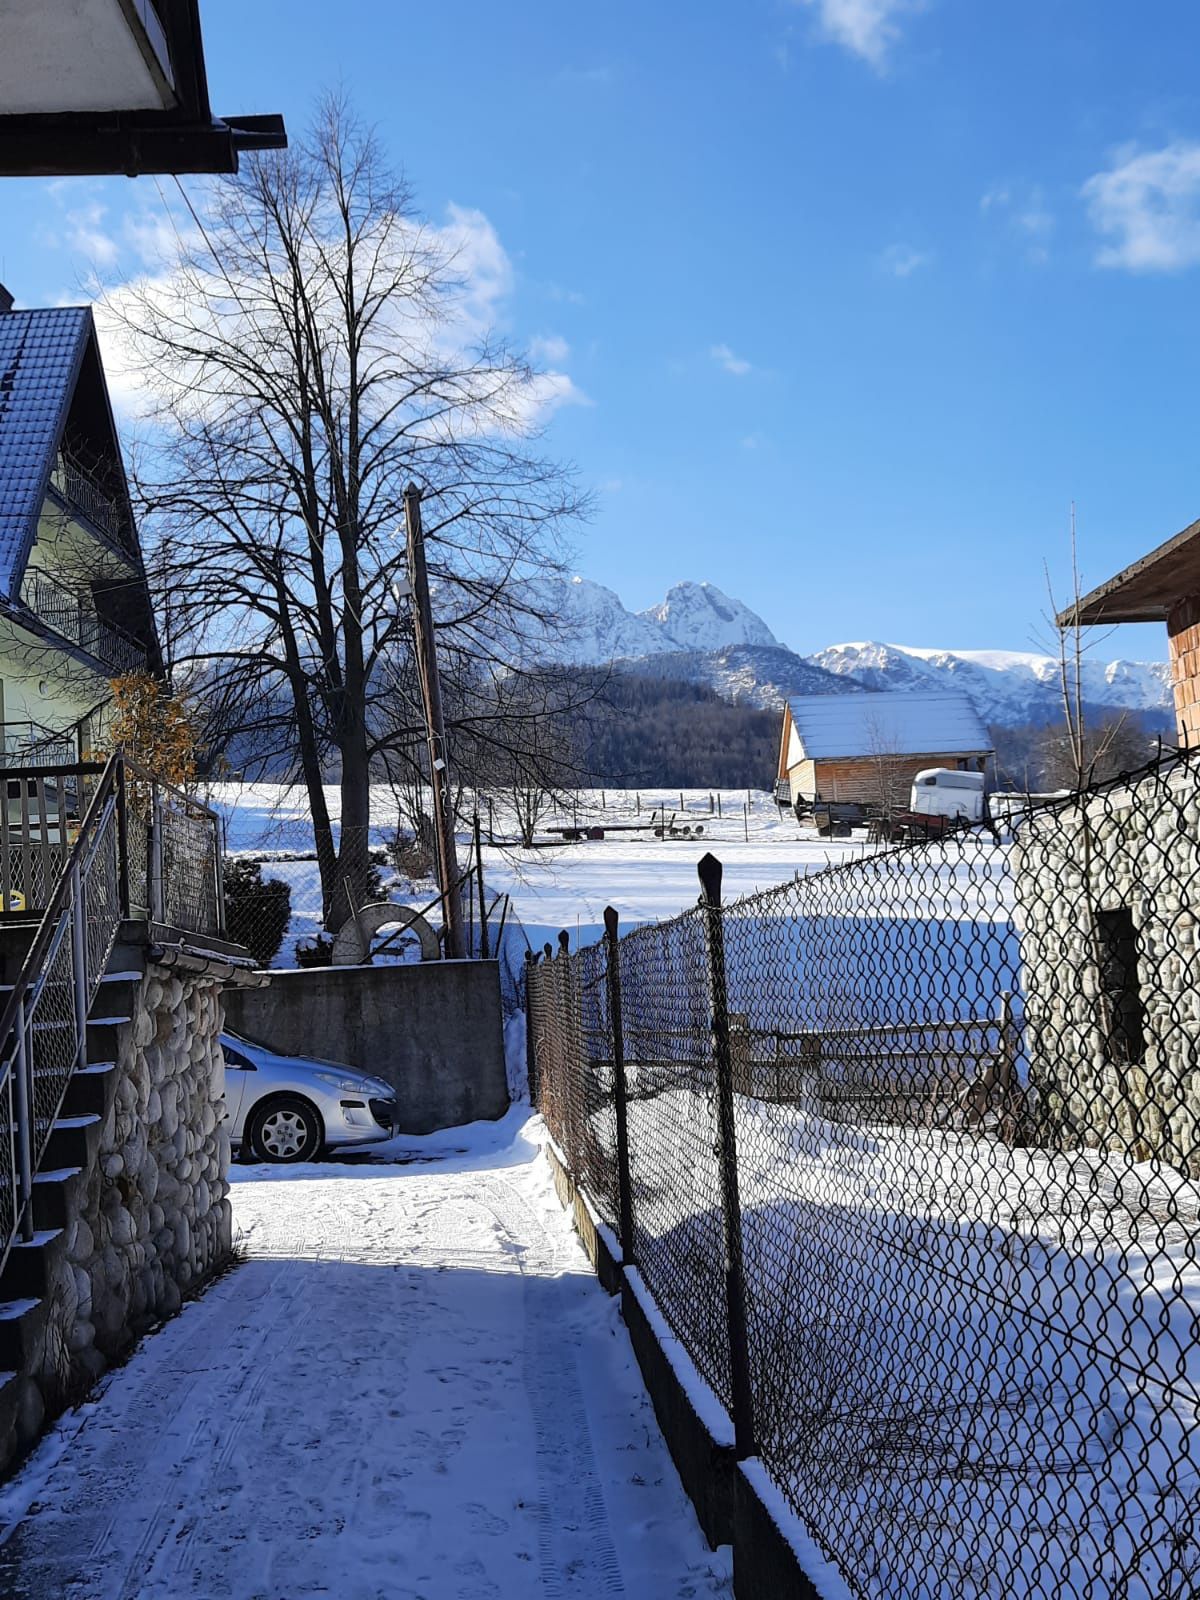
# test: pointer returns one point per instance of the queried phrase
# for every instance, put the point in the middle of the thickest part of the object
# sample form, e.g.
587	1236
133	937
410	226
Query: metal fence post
122	838
24	1126
219	848
735	1283
620	1089
79	964
531	1071
156	855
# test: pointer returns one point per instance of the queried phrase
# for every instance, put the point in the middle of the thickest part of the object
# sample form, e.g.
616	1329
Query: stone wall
152	1215
1134	848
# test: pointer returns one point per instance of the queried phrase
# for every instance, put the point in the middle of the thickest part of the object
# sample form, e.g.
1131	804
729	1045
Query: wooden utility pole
425	651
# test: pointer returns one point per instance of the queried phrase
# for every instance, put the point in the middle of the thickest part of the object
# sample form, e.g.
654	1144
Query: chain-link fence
910	1167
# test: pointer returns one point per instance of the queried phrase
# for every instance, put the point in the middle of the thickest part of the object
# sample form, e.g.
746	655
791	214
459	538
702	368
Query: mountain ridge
698	634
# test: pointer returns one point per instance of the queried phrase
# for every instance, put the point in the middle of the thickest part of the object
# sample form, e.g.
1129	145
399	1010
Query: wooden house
867	748
1163	586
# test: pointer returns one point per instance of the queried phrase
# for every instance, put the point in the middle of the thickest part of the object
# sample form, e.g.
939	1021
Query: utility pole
425	650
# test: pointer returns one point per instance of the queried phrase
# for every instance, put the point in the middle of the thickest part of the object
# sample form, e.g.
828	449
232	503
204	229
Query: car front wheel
286	1128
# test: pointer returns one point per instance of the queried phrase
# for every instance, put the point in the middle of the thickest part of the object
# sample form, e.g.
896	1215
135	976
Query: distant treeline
1036	757
647	730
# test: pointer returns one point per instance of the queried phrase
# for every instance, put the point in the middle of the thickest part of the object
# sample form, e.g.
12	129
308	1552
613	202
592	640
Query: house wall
859	779
1137	848
1183	635
43	684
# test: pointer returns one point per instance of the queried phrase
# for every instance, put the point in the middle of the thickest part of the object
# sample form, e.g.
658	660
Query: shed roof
40	356
897	722
1146	590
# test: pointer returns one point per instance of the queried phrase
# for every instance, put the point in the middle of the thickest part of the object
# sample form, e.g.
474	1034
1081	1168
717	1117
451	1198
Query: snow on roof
898	722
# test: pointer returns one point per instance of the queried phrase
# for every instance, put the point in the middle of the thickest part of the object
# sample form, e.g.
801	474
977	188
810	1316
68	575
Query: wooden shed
867	748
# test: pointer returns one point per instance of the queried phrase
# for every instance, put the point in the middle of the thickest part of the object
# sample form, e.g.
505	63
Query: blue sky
856	295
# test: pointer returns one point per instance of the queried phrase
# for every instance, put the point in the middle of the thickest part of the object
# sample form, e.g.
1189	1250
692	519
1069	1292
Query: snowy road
412	1389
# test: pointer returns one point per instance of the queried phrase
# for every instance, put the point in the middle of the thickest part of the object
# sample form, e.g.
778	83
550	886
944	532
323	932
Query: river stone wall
154	1219
1134	848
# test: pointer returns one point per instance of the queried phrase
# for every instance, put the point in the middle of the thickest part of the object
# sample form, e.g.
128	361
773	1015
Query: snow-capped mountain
1007	686
596	627
700	635
757	675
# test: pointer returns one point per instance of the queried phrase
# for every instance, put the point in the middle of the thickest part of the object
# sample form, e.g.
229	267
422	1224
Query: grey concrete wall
433	1030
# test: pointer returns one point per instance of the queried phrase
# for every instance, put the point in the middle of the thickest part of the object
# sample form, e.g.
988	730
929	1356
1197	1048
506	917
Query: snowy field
560	885
933	1312
413	1387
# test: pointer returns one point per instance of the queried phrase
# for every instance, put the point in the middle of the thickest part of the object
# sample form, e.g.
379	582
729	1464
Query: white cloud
549	349
85	233
1147	204
495	398
868	28
901	260
725	358
1023	210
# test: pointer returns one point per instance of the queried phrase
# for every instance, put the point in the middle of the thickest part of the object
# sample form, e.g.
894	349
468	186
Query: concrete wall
432	1029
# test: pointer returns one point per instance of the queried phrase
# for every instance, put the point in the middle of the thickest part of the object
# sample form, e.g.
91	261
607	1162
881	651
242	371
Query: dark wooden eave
1149	589
185	139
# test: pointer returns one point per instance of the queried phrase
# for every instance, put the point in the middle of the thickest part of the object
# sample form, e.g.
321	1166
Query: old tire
286	1128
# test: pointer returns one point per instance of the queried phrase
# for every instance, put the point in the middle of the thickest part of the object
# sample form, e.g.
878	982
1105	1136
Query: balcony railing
31	744
73	616
103	510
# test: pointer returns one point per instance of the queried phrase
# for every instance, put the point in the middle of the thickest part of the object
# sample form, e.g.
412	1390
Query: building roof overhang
114	86
1147	590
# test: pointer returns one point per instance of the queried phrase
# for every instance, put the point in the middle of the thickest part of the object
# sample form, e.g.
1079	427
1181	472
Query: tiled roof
40	352
832	726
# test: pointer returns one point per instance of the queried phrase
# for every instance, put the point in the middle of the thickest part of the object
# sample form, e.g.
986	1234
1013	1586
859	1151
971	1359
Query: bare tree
890	786
307	355
1075	753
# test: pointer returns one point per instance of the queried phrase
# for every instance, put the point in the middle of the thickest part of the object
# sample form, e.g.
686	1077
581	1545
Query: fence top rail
188	801
77	769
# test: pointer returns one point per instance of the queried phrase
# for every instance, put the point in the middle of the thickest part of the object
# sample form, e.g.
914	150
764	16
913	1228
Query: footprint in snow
481	1520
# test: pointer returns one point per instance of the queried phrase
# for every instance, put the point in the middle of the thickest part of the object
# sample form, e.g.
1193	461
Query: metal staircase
143	851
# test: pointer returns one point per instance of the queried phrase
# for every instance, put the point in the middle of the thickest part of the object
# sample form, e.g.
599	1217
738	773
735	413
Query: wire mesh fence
913	1150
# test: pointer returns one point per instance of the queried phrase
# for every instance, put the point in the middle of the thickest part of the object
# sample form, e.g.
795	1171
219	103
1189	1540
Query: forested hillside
644	730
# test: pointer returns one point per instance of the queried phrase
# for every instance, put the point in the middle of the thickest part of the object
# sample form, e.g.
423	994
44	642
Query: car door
238	1067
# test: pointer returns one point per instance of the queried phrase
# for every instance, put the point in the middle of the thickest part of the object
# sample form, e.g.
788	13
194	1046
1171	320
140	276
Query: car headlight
347	1085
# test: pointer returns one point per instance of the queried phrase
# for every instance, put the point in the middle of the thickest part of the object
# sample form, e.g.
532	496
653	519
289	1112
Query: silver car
290	1108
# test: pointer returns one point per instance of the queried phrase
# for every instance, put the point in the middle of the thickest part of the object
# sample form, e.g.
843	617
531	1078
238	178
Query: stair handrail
65	906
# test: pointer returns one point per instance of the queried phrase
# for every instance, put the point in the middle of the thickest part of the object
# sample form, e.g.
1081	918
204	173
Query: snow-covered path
414	1389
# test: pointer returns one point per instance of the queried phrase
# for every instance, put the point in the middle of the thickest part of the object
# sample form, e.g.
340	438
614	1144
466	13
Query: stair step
24	1274
21	1325
50	1196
